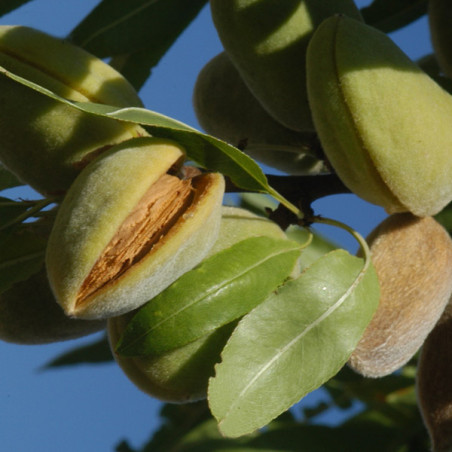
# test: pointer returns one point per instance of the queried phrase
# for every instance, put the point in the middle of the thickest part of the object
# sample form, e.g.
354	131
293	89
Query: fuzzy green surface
96	205
69	65
381	120
29	314
267	40
178	376
239	224
227	109
41	140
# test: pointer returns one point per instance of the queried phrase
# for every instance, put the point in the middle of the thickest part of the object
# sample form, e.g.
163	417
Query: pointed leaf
136	67
116	27
207	151
6	6
319	246
93	353
8	179
10	210
293	342
221	289
390	15
445	218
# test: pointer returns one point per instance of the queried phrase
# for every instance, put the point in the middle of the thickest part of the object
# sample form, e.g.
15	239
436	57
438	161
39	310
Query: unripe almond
433	383
266	41
226	109
182	375
128	227
177	376
413	260
383	123
46	143
29	314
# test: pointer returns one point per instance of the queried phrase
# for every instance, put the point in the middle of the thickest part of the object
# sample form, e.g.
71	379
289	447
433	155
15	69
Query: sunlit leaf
292	342
221	289
319	246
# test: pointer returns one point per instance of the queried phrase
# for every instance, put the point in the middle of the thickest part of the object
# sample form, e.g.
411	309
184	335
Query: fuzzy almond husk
266	41
29	314
177	376
433	383
226	109
108	213
383	123
413	260
46	143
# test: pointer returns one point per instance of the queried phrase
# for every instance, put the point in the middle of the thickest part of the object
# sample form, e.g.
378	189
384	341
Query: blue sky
93	408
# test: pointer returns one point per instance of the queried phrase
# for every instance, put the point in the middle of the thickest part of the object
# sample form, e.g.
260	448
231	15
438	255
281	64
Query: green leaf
390	15
221	289
10	210
21	255
319	246
135	67
207	151
445	218
93	353
8	179
178	420
293	342
6	6
116	27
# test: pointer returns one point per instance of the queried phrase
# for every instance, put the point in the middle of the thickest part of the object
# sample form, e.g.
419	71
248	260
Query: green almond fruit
129	226
383	123
178	376
266	41
30	315
182	375
46	143
239	224
413	260
440	20
226	109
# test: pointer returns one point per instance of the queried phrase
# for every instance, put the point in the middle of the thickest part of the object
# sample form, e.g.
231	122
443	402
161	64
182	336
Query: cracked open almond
129	226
